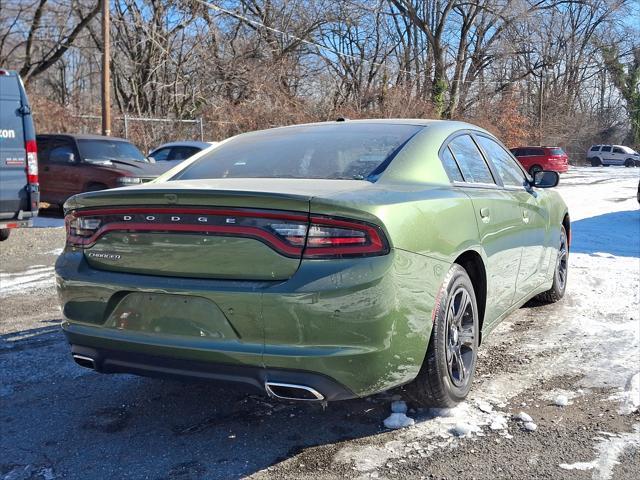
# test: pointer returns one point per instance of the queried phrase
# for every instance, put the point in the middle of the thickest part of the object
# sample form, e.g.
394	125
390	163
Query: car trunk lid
249	229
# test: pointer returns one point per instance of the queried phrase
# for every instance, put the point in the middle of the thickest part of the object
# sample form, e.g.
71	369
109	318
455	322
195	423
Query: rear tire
446	374
560	274
4	234
534	169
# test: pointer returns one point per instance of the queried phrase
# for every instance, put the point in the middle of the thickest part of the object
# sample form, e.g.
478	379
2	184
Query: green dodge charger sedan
316	262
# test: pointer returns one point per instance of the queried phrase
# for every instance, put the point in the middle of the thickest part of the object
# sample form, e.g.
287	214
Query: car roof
186	143
443	125
534	146
83	136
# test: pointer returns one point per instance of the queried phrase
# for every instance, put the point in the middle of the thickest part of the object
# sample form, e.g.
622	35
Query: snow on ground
593	333
608	451
48	222
36	277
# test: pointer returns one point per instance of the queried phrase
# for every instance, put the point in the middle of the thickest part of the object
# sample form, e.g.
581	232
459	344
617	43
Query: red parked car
534	159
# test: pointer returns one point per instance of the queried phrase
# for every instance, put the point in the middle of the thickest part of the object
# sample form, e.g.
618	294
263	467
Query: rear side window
182	153
556	151
161	155
536	152
506	166
472	164
450	166
327	151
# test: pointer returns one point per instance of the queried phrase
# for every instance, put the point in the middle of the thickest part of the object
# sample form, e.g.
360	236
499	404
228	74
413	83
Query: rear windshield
109	150
556	151
330	151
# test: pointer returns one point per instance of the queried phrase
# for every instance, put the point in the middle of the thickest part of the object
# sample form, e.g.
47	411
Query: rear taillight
336	238
32	161
290	234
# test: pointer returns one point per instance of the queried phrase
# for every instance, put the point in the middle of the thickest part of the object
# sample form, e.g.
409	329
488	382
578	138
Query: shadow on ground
81	424
615	233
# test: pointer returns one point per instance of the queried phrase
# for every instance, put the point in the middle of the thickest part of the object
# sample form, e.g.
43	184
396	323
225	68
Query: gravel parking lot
573	367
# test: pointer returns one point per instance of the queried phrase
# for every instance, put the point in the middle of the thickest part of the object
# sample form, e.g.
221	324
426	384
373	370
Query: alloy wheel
460	341
563	262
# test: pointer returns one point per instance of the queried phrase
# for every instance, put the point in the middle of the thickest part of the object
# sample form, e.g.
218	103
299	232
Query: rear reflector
290	234
32	161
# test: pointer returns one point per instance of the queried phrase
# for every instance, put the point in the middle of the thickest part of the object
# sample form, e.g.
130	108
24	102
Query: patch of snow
38	277
48	222
561	401
398	406
525	417
608	452
55	251
398	420
629	397
530	426
499	422
484	406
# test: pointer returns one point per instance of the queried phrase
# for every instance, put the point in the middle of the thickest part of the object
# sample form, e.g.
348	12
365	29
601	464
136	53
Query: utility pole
540	105
106	95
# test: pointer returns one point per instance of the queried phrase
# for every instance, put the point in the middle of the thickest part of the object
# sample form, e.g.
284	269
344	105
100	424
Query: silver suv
605	155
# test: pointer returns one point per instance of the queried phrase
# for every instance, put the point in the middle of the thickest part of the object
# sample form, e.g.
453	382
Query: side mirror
71	158
546	179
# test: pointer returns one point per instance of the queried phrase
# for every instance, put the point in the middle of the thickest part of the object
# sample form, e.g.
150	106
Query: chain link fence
145	133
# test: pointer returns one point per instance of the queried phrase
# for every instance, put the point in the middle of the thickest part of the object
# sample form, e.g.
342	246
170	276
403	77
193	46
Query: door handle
525	216
485	214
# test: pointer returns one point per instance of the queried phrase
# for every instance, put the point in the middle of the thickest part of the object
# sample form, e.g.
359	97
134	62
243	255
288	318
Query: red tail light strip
245	232
376	244
348	238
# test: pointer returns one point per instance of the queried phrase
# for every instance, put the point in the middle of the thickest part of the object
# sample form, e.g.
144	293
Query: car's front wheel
629	162
559	286
448	368
4	234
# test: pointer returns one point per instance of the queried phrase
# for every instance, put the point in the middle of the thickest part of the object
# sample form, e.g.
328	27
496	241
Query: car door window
61	153
537	152
43	149
618	150
606	149
161	155
472	164
450	166
510	173
182	153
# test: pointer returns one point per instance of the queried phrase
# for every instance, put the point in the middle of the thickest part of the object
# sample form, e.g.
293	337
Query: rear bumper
15	223
362	325
560	166
125	361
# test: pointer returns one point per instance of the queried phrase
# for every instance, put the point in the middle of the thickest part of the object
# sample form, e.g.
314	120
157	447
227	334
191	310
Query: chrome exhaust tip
290	391
86	362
